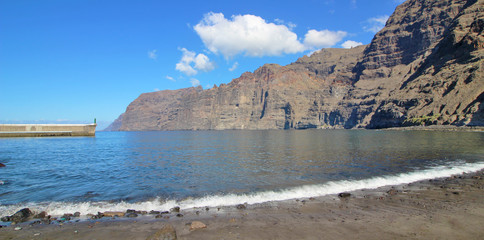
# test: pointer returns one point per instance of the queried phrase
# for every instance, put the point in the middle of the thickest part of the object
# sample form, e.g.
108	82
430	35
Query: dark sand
451	208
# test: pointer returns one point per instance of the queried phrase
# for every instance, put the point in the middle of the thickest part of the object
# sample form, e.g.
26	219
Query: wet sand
449	208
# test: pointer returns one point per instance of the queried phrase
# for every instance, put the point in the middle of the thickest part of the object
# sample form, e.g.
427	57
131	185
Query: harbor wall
47	130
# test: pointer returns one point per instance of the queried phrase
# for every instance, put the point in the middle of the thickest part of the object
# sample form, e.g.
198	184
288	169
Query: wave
306	191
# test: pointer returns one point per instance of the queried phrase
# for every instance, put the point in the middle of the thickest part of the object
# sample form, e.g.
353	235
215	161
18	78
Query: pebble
131	215
344	195
392	191
241	206
175	209
37	234
17	228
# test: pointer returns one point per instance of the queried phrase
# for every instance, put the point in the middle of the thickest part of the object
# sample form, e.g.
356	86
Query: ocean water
115	171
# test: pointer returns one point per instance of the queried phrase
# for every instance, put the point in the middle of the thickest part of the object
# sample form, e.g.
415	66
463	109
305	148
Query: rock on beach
175	209
113	214
197	225
41	215
344	195
20	216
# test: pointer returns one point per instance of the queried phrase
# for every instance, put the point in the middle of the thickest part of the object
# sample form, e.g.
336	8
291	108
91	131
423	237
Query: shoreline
446	128
448	208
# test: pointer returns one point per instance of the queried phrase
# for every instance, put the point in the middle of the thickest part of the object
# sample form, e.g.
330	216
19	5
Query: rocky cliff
423	67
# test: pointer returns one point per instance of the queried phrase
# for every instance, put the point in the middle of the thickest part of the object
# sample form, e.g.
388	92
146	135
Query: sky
73	61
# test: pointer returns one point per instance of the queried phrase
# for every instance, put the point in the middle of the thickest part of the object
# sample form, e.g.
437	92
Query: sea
157	170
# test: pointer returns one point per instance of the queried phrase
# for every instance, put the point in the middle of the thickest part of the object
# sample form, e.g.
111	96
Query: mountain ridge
423	67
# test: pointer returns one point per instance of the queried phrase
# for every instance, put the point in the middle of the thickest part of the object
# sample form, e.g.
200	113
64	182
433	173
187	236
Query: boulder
197	225
113	214
21	216
40	215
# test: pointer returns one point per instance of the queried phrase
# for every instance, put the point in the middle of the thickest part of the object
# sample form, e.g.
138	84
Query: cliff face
425	66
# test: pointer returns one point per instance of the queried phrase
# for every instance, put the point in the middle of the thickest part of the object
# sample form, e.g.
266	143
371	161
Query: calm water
206	167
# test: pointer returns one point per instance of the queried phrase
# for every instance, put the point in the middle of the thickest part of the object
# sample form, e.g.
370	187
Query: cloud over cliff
191	62
254	36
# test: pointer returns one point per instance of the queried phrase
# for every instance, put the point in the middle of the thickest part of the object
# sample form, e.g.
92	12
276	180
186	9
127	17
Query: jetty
47	130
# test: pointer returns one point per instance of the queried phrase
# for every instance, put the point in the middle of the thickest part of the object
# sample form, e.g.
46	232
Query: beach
444	208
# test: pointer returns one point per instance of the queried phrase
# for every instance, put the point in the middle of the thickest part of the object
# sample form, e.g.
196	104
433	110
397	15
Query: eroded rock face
425	66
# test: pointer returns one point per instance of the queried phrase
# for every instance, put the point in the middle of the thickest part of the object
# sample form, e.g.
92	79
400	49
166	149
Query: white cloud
152	54
195	82
375	24
351	44
247	34
170	78
189	58
253	36
203	63
236	64
321	39
156	89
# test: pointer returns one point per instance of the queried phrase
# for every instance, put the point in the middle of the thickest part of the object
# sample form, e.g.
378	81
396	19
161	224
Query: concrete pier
47	130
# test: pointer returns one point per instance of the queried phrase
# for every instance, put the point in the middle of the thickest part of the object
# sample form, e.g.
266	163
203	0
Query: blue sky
79	60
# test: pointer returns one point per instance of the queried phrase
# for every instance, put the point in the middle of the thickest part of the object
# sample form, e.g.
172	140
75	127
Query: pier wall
47	130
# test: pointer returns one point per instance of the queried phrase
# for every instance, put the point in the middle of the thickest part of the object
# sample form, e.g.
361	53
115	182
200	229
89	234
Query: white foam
306	191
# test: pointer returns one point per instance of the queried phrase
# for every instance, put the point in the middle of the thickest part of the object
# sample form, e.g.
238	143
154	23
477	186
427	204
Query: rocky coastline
423	68
448	208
